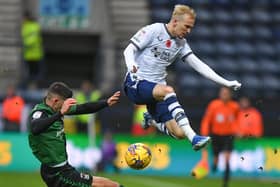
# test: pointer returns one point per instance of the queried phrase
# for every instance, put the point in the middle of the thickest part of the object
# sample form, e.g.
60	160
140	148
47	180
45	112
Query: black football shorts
65	176
222	143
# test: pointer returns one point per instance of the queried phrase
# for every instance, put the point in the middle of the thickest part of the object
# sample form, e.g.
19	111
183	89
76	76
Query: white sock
189	132
180	117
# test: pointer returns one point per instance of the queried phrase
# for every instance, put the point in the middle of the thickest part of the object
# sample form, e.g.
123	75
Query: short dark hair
60	89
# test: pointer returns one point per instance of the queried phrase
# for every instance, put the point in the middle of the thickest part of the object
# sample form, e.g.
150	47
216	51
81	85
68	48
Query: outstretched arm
40	121
92	107
207	72
89	107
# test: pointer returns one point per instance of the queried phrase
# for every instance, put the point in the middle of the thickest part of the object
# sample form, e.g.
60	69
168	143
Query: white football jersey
157	49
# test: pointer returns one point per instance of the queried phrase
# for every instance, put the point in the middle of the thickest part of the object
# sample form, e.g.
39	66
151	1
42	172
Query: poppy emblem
168	43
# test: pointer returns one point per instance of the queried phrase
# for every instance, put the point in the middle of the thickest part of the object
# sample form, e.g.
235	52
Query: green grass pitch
34	180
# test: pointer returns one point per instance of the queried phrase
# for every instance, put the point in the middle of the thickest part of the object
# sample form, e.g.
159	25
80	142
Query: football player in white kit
151	50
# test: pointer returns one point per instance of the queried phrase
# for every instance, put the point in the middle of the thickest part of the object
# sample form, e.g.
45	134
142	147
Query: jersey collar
165	27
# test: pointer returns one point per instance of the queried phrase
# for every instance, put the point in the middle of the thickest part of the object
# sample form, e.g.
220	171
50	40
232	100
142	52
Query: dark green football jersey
49	147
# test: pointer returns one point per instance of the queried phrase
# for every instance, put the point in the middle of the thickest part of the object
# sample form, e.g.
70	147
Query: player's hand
114	98
66	105
134	69
234	84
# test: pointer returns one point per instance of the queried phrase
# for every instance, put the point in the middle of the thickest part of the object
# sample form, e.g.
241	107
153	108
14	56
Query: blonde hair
180	10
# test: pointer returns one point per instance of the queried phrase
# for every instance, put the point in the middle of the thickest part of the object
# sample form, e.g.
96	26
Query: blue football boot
199	142
148	120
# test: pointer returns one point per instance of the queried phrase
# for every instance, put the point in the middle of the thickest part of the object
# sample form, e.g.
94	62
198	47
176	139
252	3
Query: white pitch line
154	182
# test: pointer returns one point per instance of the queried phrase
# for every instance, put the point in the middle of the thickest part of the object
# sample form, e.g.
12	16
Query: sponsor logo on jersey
136	39
159	38
161	53
140	35
155	51
59	133
37	115
84	176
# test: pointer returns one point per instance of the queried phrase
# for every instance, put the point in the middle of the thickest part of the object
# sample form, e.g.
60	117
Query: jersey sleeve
39	114
143	37
186	51
40	121
72	109
87	108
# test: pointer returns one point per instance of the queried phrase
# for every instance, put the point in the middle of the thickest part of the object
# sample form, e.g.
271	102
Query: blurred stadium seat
190	84
203	31
251	85
221	15
160	3
241	16
261	16
270	82
223	31
271	86
276	16
190	81
226	64
204	47
225	48
241	3
183	1
248	65
269	66
204	15
161	14
208	88
262	32
182	67
212	62
264	49
251	81
241	31
244	48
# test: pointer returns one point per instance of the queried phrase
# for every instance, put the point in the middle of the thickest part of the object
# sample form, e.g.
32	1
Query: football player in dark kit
48	142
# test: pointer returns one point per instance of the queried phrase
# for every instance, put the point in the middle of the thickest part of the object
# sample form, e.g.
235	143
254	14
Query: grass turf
34	180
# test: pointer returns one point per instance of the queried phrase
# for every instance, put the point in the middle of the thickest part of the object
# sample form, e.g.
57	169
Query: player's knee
169	89
105	182
110	183
102	181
